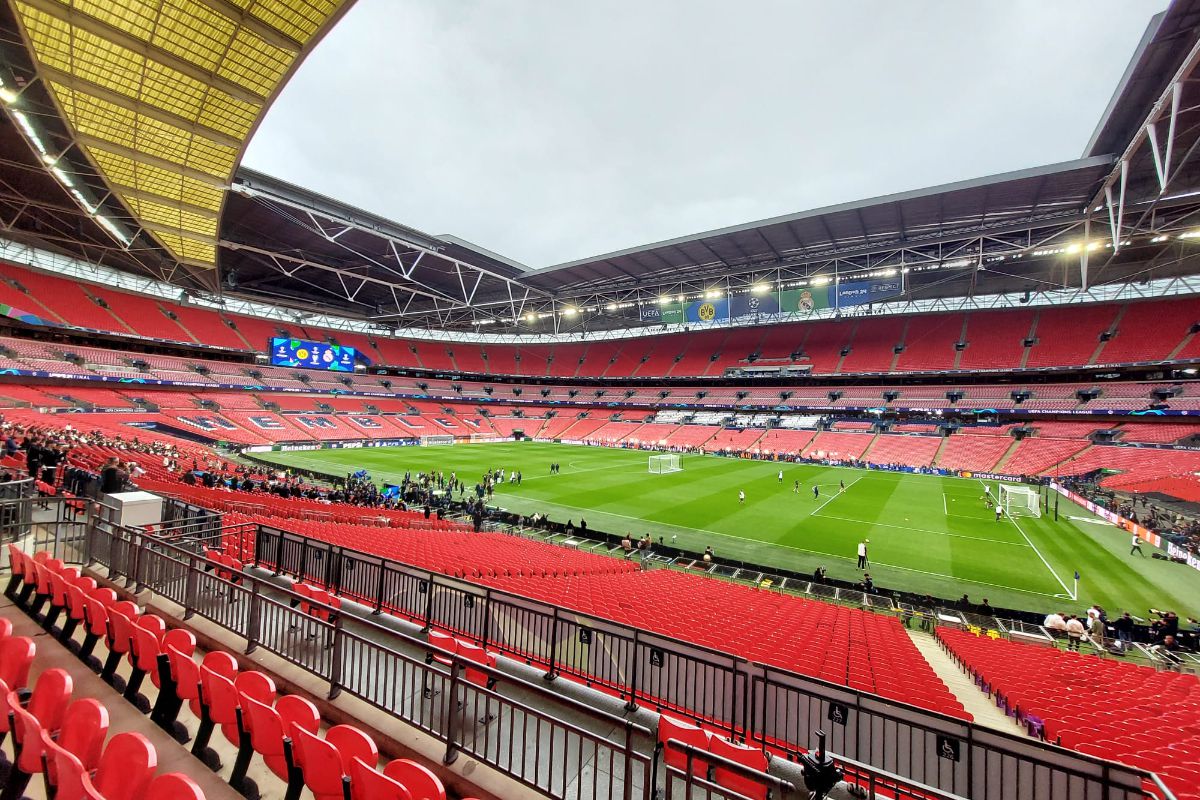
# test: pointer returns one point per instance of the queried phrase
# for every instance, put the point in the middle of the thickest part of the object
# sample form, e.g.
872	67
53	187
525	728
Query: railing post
487	617
453	718
137	542
634	674
303	571
89	527
552	667
627	755
335	667
379	586
428	626
190	589
254	619
278	552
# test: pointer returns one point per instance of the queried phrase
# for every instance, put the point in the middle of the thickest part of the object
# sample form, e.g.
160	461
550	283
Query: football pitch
927	533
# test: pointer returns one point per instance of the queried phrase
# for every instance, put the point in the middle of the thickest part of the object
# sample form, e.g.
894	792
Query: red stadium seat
269	736
368	783
174	786
420	782
751	757
325	763
670	728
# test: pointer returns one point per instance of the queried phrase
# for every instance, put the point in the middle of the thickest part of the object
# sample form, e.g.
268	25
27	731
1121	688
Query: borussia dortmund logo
707	312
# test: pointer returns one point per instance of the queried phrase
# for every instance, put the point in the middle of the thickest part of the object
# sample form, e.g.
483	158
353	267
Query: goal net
1020	501
664	463
437	439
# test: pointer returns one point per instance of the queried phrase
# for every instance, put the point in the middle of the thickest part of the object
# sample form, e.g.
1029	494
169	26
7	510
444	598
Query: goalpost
1019	500
664	463
437	439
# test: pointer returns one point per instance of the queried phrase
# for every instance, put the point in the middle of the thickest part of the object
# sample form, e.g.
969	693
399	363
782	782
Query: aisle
977	704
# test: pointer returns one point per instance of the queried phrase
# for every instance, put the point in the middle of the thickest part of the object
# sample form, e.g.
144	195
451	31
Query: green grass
928	533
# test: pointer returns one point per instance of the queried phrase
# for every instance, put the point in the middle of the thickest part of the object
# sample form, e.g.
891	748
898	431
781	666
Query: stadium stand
1123	712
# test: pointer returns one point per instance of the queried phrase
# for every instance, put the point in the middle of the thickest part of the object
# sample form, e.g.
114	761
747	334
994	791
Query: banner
805	301
666	314
708	310
859	293
752	305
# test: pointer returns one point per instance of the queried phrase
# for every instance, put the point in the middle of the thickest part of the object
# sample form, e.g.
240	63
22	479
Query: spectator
708	554
1056	623
985	608
1075	631
1124	628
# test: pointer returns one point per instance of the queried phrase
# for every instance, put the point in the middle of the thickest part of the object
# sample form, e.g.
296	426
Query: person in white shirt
741	497
1075	631
1135	546
1055	623
781	477
862	553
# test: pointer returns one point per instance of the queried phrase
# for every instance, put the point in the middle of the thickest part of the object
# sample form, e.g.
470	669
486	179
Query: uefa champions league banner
846	294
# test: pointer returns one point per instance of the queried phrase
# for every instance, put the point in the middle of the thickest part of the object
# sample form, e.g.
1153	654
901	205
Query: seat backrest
50	697
671	728
439	639
319	762
295	710
181	639
476	654
120	629
186	674
352	743
95	613
16	657
219	696
67	773
16	560
257	685
174	786
126	767
368	783
418	779
6	628
84	728
145	649
750	757
27	732
264	724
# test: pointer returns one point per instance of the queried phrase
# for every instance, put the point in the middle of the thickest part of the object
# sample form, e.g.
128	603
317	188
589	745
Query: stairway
977	704
1031	335
938	455
1012	448
1116	324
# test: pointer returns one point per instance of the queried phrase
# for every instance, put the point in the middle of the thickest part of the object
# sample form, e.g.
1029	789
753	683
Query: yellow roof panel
162	94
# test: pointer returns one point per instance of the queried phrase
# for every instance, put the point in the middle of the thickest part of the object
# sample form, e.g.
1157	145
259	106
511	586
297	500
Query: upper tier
974	341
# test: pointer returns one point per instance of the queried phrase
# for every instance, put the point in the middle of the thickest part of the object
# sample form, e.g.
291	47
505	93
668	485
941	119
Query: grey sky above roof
548	132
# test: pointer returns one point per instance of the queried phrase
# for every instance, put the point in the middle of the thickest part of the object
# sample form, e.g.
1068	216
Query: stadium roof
142	125
161	96
994	205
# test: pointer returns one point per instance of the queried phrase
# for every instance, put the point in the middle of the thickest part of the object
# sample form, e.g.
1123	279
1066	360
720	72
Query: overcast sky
551	130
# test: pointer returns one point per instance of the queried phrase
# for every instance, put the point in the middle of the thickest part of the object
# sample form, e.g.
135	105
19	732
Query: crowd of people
1161	634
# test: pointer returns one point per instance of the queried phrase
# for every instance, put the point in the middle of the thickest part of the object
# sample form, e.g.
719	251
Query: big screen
287	352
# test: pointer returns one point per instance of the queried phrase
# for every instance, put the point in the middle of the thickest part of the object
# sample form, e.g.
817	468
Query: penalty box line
1024	536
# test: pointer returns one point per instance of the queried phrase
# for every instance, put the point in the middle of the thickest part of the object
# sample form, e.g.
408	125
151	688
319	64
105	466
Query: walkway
977	704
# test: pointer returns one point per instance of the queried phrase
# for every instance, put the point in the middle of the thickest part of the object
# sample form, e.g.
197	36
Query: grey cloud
549	131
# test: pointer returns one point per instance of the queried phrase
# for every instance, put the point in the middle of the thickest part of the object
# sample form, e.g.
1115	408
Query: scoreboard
287	352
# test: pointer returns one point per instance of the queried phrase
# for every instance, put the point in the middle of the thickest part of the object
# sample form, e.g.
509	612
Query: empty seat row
242	707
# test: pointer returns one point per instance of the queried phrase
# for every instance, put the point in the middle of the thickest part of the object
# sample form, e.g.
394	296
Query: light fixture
664	300
7	95
569	311
760	288
820	280
712	294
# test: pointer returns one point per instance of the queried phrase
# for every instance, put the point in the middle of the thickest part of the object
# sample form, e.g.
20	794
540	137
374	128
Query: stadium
896	498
